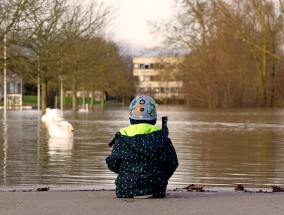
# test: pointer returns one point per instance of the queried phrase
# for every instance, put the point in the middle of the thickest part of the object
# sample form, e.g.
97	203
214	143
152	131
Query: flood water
214	147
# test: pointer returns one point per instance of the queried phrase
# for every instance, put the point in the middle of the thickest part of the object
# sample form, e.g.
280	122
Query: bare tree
81	25
233	51
43	39
12	13
263	36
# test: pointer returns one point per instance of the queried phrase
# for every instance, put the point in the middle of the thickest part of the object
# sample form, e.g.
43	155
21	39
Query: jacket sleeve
113	161
171	160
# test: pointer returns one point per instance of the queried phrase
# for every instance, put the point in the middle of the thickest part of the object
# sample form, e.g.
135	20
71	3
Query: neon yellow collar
141	128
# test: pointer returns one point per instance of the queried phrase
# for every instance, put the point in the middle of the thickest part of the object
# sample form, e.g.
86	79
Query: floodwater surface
214	148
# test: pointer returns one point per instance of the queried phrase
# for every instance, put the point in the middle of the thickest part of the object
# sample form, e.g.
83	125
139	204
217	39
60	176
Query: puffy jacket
144	159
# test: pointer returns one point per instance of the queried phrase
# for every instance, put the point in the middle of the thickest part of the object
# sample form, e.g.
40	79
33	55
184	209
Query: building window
144	78
143	90
141	66
156	89
18	88
174	90
8	87
165	89
147	78
149	66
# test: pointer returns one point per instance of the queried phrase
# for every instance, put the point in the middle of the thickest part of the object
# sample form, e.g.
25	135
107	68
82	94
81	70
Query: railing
14	101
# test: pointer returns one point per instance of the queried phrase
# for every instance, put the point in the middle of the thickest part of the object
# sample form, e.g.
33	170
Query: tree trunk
102	99
43	94
92	99
74	94
272	96
123	100
273	74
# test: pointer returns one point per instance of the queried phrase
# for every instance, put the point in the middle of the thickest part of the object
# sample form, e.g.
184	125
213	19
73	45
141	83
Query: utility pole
38	85
5	74
61	93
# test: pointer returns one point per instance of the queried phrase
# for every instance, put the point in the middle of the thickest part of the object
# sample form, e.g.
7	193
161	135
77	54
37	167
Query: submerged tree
57	40
234	51
84	26
12	14
52	41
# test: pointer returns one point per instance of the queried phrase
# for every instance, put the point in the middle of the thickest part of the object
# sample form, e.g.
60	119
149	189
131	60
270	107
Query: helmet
143	109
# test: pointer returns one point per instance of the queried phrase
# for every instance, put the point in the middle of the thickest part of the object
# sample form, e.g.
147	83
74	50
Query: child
142	155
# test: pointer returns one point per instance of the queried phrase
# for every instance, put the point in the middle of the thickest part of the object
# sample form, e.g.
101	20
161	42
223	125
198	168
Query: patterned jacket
144	159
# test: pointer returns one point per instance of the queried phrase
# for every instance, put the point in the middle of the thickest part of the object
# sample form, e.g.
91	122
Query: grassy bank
32	101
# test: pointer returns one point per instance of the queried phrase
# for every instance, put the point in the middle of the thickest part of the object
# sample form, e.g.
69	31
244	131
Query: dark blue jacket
144	163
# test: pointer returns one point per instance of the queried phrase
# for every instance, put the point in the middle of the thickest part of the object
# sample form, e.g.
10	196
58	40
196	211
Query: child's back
142	155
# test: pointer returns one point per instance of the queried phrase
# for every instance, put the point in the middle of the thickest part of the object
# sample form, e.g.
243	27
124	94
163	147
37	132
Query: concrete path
105	202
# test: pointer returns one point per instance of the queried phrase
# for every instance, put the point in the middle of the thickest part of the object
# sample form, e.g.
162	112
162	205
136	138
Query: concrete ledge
105	202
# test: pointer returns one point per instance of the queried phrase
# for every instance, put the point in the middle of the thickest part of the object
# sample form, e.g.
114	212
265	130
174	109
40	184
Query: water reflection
5	148
214	147
59	149
228	148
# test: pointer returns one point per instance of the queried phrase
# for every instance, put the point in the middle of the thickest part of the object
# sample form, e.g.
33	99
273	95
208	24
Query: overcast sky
131	23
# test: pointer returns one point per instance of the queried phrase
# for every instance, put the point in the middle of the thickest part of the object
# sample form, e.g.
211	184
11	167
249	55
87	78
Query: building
14	91
158	77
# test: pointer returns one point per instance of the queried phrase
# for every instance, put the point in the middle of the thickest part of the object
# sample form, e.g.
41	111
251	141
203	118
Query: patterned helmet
143	108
